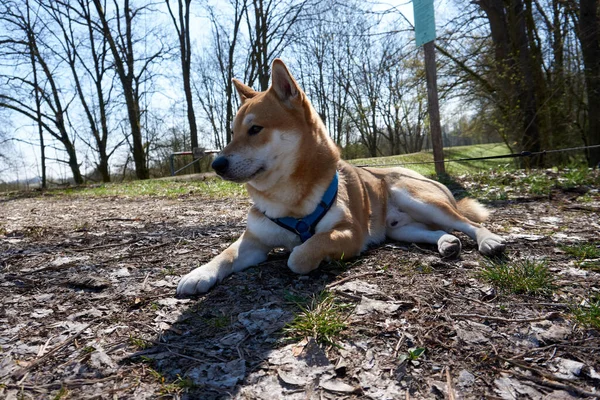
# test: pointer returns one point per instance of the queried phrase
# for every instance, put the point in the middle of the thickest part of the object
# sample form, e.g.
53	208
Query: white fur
270	233
248	119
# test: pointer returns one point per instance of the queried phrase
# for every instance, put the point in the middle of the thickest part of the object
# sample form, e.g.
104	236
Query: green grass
587	255
506	181
452	168
172	188
589	314
324	319
583	250
520	277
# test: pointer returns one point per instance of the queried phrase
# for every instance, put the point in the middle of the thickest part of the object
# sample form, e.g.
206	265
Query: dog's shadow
227	334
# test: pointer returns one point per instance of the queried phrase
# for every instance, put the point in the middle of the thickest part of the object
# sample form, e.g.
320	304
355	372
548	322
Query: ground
88	307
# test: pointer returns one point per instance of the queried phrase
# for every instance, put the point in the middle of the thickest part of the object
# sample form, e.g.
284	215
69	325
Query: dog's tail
473	210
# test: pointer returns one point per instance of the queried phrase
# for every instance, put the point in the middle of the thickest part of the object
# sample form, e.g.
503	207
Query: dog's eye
254	129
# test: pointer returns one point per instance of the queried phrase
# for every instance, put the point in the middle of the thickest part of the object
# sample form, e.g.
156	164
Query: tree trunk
126	78
38	109
589	30
183	33
514	70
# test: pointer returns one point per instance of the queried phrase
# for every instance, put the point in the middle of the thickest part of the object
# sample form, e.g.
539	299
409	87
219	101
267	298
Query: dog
319	207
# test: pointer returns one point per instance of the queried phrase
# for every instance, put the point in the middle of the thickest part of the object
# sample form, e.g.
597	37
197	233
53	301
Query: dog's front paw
492	245
302	261
200	280
449	246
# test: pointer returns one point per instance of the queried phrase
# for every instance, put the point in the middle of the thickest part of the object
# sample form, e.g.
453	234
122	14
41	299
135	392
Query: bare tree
130	67
589	35
270	26
21	49
181	22
91	65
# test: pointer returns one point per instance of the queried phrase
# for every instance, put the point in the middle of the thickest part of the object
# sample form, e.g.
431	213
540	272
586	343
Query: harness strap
305	227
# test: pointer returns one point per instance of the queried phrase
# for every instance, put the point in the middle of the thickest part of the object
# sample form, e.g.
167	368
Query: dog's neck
299	194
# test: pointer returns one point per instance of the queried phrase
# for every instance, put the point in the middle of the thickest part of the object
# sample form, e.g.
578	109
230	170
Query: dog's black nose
220	164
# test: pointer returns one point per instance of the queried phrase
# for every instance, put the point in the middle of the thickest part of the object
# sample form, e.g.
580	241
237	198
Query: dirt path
87	285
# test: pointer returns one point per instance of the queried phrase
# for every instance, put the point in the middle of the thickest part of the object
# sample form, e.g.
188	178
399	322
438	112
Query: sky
25	151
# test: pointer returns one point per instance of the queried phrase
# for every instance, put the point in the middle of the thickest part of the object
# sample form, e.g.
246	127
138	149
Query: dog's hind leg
436	212
448	245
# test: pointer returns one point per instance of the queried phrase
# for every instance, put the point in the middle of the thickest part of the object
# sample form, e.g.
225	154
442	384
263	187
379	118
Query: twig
181	347
106	246
538	371
145	282
18	374
237	347
65	383
583	208
349	278
398	344
449	293
188	357
551	315
118	219
449	386
555	385
348	296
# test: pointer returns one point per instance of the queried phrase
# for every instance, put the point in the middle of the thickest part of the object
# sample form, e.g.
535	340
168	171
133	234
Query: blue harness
305	227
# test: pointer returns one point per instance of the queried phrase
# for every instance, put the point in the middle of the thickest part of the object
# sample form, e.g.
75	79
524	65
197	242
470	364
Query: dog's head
271	130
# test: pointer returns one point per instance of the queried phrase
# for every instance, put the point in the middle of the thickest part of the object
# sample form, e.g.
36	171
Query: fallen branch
549	316
538	371
554	385
451	395
67	383
105	246
20	373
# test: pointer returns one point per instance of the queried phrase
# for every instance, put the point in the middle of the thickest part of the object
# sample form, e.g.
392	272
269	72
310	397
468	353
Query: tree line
140	79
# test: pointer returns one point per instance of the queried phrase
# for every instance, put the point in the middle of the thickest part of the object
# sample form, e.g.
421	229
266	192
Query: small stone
568	369
291	379
335	385
559	395
369	306
465	379
556	333
471	336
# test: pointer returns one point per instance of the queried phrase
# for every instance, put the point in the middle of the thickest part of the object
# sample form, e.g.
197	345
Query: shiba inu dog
319	207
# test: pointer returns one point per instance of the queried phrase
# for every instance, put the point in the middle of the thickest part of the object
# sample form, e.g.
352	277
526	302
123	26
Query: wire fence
513	155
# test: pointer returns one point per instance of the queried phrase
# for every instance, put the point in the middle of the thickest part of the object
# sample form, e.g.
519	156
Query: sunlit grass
527	276
324	319
588	313
213	187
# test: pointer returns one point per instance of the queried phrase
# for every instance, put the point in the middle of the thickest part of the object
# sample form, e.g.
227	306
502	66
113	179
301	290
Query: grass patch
520	277
583	250
212	187
587	255
589	313
506	181
323	319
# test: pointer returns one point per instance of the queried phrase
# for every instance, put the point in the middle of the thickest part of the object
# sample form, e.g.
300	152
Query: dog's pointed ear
283	83
245	92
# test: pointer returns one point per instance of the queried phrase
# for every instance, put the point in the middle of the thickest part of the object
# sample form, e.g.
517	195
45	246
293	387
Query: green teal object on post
424	21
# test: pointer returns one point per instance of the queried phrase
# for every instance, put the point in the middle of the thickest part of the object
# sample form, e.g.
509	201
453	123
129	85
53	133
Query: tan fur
287	168
473	210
